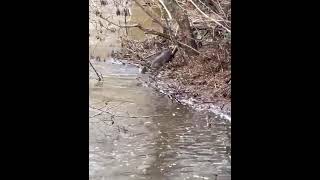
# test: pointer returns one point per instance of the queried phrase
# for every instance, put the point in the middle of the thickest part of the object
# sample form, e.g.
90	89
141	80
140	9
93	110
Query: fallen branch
156	53
143	116
105	111
187	46
151	31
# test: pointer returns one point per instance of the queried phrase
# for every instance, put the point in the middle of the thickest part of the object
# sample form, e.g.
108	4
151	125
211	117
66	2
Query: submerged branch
107	112
95	70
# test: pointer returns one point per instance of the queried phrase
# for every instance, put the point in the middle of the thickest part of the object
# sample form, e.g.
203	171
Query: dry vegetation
202	70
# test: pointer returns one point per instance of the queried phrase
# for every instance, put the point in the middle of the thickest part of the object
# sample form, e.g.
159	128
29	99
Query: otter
161	59
165	57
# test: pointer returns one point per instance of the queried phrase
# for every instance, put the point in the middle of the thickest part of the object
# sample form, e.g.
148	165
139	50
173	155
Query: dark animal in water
161	59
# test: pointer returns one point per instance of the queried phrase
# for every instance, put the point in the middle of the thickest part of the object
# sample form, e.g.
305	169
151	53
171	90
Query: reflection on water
176	143
111	39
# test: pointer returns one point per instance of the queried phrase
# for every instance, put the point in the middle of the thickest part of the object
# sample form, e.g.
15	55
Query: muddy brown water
137	133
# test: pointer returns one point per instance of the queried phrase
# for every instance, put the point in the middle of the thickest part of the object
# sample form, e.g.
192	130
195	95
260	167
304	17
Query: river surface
137	133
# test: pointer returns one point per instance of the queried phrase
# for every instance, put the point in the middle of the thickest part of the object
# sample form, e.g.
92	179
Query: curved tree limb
165	8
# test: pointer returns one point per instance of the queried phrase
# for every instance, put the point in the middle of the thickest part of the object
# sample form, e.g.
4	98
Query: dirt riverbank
190	80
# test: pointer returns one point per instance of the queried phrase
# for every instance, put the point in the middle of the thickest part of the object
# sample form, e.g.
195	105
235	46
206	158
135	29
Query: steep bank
202	82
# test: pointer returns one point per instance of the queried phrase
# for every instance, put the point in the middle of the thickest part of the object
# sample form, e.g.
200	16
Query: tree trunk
182	19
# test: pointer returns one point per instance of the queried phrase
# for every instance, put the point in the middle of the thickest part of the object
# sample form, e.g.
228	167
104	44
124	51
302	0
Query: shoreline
221	108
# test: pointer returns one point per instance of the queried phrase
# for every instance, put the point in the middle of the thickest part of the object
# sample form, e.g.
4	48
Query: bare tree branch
165	8
149	14
95	70
151	31
205	15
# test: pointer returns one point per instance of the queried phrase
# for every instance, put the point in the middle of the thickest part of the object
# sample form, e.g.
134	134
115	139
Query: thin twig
104	111
165	8
152	55
151	31
212	11
95	70
205	15
149	14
